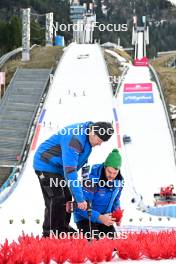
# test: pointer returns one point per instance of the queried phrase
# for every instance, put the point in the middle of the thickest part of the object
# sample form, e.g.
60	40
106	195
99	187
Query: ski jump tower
140	38
89	20
83	18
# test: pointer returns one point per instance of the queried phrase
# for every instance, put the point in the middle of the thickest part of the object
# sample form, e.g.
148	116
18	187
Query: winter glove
118	214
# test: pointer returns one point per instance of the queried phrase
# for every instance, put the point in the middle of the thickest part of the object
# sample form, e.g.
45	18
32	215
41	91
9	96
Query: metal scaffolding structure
49	29
26	34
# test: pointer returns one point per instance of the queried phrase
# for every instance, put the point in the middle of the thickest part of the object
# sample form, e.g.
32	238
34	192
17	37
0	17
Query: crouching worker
102	188
58	160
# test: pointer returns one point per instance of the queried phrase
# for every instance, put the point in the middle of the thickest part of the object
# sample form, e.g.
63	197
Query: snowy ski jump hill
81	91
147	146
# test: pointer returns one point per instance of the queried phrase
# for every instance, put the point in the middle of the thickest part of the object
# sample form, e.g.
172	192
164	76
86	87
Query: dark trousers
56	219
97	230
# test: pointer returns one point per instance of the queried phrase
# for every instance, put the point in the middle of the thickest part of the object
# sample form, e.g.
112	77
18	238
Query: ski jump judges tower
83	18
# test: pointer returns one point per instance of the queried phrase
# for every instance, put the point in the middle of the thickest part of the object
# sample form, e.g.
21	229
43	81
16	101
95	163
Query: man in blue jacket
56	163
102	189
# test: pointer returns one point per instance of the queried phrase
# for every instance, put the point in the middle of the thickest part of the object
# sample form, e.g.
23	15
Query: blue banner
138	98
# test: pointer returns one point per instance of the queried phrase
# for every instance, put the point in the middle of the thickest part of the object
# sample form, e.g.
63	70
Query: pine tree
15	30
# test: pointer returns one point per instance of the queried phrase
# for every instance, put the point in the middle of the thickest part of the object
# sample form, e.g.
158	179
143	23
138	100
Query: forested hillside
161	17
10	20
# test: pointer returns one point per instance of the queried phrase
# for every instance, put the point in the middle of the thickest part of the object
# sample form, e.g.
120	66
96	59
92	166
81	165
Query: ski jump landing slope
149	161
80	91
140	45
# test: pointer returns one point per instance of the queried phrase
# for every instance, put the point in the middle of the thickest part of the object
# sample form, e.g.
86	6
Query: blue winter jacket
65	153
103	199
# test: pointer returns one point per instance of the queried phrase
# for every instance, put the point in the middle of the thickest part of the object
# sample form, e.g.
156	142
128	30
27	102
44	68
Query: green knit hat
113	160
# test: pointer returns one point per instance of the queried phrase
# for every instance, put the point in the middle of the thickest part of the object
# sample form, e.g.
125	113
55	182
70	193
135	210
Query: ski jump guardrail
165	108
121	80
165	52
10	54
10	183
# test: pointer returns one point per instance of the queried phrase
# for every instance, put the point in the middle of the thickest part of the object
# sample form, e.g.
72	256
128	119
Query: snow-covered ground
140	46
